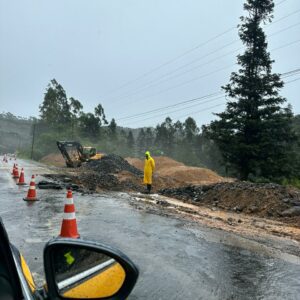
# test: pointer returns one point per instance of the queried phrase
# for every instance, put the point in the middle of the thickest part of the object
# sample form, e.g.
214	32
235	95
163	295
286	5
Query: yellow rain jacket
148	169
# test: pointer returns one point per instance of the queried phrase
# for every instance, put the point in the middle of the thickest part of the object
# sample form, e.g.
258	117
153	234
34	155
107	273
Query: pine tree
254	133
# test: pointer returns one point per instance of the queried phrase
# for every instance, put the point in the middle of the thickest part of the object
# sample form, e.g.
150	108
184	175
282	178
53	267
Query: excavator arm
72	152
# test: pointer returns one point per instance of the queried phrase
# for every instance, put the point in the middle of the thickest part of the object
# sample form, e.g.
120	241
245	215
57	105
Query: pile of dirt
111	172
112	164
54	159
264	200
170	168
138	163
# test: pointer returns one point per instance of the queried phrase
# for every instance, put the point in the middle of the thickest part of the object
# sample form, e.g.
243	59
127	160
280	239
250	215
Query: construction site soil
198	186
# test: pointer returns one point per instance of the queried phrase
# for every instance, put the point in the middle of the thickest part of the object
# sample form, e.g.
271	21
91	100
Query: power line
283	75
186	82
205	109
290	81
277	4
172	105
174	59
180	109
196	112
178	75
286	45
149	85
207	74
193	49
286	16
284	29
289	74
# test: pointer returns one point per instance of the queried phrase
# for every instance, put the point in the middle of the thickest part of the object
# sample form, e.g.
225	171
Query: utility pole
33	134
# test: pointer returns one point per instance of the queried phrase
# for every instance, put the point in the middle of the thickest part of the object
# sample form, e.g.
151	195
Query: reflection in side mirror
83	273
78	269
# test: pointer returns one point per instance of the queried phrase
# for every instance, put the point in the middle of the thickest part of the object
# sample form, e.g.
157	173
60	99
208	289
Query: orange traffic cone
12	172
69	224
21	178
16	172
31	195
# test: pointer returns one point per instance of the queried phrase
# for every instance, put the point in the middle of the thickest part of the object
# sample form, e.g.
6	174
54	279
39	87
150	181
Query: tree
141	143
149	138
130	141
75	107
190	129
165	136
99	113
112	127
89	124
76	110
254	133
55	109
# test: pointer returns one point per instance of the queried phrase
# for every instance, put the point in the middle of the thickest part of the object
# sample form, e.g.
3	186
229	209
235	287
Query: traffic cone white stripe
69	216
32	187
69	201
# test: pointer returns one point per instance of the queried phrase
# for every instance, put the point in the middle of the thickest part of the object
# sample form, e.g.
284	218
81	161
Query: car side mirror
78	269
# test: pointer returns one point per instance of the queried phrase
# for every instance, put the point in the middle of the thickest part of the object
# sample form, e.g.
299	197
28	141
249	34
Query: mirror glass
82	273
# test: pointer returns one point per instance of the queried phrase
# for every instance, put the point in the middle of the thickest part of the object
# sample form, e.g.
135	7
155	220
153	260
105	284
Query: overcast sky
133	56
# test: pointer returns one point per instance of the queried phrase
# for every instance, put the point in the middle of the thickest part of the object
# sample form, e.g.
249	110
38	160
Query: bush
294	182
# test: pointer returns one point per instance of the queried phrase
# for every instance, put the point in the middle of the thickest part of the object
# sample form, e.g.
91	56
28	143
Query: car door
13	283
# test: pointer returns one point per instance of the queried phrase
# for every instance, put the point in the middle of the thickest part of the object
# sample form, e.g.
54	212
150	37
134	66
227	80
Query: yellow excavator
75	154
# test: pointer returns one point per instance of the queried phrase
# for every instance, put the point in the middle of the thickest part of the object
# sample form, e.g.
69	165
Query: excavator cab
89	152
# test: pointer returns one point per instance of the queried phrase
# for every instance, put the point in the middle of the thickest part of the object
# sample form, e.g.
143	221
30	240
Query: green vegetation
256	138
255	133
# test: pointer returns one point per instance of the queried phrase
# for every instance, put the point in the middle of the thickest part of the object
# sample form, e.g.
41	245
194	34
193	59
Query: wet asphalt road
177	259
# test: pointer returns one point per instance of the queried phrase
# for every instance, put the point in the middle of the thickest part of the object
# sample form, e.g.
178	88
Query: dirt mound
265	200
138	163
192	175
112	164
106	173
54	159
168	167
161	163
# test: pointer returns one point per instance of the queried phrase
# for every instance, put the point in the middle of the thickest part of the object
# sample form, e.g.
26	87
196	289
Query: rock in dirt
49	185
57	185
291	212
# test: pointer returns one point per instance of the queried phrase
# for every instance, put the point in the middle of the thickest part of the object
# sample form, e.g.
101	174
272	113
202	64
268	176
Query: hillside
15	133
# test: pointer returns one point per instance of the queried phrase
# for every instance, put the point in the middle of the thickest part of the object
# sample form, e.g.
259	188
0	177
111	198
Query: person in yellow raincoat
148	170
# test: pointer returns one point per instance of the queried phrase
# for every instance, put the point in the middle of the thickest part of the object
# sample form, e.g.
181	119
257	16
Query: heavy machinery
75	154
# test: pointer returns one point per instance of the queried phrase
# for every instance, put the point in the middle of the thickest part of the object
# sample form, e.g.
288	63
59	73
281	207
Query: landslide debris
106	174
264	200
112	164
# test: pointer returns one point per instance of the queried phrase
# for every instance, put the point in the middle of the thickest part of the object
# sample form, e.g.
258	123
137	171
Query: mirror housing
51	248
